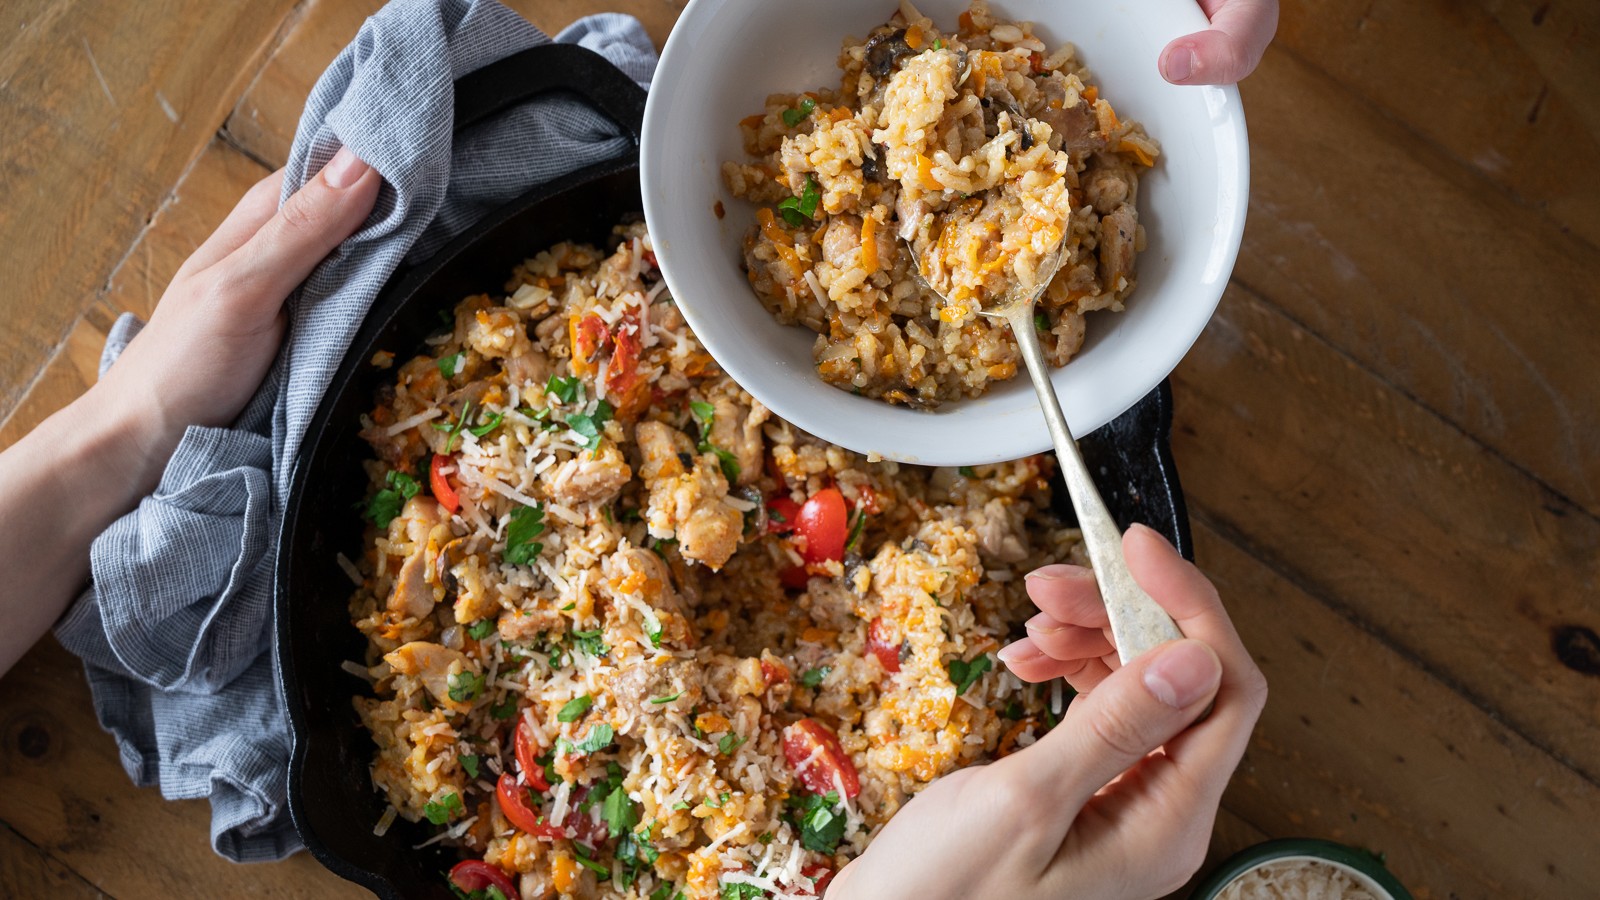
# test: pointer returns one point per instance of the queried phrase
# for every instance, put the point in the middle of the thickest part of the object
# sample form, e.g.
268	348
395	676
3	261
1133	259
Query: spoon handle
1137	622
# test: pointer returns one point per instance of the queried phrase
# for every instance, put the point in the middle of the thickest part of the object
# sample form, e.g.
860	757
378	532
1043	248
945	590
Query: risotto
630	635
983	149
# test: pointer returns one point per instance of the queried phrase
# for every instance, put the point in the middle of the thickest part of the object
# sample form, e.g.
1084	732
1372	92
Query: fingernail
1181	63
344	169
1060	572
1182	674
1043	623
1015	653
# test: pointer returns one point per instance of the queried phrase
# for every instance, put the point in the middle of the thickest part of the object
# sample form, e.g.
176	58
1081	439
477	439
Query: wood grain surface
1387	435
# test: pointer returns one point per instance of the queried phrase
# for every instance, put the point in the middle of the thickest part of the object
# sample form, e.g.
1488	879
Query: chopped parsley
575	708
387	503
470	763
505	709
454	428
1012	711
660	700
598	738
526	523
681	804
450	365
963	674
590	642
939	44
793	117
485	426
481	629
591	426
652	630
819	820
1041	323
489	892
703	412
444	809
705	415
740	891
967	472
620	813
813	677
581	854
465	686
636	854
729	743
564	389
569	607
664	892
855	531
799	211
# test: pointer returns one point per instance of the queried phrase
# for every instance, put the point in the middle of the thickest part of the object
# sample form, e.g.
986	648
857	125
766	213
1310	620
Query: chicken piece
588	477
528	367
414	593
437	667
841	243
1000	530
641	682
1107	183
526	624
1077	126
736	428
686	496
1118	233
634	570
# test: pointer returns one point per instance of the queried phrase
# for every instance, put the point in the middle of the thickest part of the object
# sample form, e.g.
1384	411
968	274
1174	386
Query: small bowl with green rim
1361	865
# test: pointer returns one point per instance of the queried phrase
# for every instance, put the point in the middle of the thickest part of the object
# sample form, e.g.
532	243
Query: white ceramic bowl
725	56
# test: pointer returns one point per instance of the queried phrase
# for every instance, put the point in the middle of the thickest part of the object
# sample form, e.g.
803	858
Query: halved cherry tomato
527	754
514	803
774	673
824	523
820	876
818	761
474	875
881	643
586	826
794	577
589	337
440	485
783	515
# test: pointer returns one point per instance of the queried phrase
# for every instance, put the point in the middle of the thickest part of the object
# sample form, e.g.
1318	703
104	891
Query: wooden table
1389	435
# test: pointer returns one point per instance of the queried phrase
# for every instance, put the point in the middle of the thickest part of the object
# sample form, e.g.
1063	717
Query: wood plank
105	104
191	212
63	789
265	120
1505	87
1474	305
1362	746
27	871
1376	506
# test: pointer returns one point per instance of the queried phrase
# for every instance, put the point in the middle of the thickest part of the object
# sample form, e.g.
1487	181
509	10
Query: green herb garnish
486	425
740	891
598	738
387	503
729	743
526	524
813	677
967	472
575	708
799	211
660	700
465	686
590	642
441	811
963	674
591	426
505	709
564	389
818	818
450	365
1041	323
619	812
470	764
855	531
793	117
481	629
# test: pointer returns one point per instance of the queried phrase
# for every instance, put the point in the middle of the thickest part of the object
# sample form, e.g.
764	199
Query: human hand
1118	800
218	325
1227	51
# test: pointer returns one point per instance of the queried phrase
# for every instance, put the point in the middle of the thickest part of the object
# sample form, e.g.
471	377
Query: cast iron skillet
330	791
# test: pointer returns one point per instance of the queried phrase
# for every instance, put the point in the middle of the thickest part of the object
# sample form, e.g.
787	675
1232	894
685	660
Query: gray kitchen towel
175	630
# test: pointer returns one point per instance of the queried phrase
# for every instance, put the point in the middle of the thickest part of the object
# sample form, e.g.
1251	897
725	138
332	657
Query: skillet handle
545	69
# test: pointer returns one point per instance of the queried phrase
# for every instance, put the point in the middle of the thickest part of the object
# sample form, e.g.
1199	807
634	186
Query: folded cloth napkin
175	631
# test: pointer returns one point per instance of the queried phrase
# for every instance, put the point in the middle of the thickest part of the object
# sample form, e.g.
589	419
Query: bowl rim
1364	862
680	51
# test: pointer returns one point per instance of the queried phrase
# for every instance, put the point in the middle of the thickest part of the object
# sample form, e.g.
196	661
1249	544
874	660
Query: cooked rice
983	149
660	594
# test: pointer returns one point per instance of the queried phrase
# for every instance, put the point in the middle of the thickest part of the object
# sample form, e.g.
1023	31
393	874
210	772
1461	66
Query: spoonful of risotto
938	249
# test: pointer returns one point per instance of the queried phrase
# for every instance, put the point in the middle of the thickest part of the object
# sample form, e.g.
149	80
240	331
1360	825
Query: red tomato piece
590	337
514	803
622	376
474	875
783	515
880	643
795	578
440	484
820	876
527	753
825	525
818	761
586	826
774	673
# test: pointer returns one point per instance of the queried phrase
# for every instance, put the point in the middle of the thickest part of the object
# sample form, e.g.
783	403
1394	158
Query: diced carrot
1138	153
869	244
925	173
1036	62
752	121
563	872
914	37
839	113
965	21
1091	93
780	241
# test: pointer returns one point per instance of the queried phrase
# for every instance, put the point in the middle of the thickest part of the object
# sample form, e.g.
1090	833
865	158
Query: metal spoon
1137	622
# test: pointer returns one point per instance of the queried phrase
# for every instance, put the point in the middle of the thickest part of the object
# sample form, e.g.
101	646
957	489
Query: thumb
1227	51
306	228
1133	712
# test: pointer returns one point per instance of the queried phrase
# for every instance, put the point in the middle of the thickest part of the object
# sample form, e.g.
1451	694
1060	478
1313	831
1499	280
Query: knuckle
1117	727
302	214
